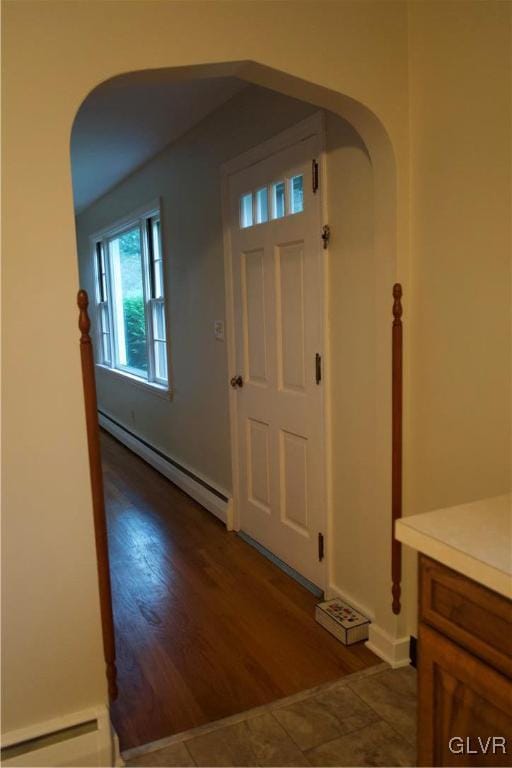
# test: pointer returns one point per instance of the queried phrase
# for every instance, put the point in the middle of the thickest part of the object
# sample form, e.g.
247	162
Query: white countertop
474	539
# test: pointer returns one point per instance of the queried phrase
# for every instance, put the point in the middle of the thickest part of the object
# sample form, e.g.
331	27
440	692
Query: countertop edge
460	561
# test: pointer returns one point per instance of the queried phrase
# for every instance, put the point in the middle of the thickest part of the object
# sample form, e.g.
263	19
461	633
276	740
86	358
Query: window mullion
110	307
146	287
103	317
99	318
108	301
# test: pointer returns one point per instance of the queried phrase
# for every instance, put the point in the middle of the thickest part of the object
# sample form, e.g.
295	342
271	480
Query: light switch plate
218	330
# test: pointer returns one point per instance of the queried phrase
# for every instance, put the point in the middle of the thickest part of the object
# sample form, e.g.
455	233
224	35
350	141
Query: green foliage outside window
135	333
133	301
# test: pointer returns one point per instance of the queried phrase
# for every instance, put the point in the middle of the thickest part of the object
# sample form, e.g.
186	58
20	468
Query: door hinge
314	176
320	547
318	368
326	235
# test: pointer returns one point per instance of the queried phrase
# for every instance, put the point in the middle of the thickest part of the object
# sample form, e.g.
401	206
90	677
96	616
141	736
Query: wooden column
396	470
98	501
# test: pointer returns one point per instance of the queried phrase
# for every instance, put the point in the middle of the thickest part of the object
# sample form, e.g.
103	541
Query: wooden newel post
396	471
98	501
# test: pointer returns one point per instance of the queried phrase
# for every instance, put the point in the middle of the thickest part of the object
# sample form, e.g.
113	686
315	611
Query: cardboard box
341	620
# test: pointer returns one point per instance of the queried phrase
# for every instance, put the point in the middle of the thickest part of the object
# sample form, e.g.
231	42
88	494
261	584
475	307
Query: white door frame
311	126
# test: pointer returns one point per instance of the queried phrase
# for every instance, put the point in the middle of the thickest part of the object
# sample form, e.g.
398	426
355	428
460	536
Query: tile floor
364	719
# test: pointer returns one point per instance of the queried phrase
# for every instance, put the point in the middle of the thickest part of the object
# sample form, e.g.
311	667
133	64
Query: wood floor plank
205	625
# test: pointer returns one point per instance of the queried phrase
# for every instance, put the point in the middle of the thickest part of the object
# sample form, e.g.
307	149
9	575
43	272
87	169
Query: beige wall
459	343
54	54
461	240
351	365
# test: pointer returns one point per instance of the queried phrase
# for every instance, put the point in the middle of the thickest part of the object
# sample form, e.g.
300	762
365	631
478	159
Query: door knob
236	381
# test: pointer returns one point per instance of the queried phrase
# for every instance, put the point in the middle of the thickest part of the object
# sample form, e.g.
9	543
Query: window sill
128	378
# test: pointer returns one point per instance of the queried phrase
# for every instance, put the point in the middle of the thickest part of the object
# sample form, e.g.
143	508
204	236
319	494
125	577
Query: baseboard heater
214	499
87	743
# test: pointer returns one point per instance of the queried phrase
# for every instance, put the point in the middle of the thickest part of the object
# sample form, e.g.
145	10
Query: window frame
143	219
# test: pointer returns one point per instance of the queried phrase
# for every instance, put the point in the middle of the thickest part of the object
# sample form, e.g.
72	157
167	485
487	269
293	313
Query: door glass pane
296	194
278	209
262	205
128	300
246	211
161	360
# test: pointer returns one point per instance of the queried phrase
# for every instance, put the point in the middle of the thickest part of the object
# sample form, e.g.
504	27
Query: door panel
278	307
290	314
293	461
258	476
255	342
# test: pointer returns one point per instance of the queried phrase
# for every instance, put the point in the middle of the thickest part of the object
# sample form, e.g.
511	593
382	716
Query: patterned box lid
343	613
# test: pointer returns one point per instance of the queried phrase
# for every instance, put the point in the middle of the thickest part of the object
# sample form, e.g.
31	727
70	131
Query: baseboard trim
83	738
213	499
333	591
391	649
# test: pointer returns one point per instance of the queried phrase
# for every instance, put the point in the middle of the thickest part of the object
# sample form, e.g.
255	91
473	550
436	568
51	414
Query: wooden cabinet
465	671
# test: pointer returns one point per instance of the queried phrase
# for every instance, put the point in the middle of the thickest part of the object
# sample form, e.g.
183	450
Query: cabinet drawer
464	713
474	616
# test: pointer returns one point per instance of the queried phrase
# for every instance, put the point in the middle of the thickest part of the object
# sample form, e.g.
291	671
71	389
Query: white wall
193	427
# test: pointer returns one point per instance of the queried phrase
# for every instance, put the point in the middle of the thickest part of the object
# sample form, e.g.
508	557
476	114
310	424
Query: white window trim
134	381
135	218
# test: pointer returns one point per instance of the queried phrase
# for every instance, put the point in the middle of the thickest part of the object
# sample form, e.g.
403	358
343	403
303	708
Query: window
246	211
262	205
296	194
279	199
130	298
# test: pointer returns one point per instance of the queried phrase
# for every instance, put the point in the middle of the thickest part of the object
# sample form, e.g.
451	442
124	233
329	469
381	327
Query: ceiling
124	122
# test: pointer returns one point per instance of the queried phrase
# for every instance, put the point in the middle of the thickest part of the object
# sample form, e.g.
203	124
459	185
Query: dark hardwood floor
205	625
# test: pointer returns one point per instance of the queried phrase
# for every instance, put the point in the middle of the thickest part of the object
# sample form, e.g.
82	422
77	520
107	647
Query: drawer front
474	616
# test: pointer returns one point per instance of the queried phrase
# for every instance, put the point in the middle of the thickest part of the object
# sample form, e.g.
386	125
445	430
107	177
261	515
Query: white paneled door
276	251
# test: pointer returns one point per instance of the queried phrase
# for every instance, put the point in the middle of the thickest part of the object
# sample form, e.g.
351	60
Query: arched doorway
360	275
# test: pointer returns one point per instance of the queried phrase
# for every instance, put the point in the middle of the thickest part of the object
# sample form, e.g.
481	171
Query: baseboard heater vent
211	498
48	740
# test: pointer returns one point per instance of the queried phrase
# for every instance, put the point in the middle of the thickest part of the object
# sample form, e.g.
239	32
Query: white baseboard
65	741
393	650
213	503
